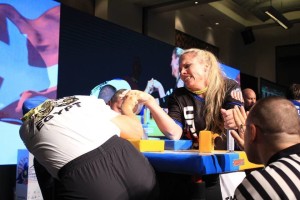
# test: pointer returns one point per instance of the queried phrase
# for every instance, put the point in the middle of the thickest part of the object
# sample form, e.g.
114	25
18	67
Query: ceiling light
278	17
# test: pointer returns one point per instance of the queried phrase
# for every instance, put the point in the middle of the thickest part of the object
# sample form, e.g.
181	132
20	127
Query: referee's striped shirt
280	179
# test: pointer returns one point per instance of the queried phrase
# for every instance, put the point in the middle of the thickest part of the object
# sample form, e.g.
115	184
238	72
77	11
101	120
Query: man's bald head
275	115
107	92
249	98
272	125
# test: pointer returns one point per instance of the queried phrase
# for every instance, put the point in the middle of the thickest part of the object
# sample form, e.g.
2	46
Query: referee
270	135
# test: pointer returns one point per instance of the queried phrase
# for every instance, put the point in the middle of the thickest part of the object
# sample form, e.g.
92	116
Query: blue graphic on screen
231	72
29	37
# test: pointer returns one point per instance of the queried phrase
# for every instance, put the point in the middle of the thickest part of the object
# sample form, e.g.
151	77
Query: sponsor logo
238	162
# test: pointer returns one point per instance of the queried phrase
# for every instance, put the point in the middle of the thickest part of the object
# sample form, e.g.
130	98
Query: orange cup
206	141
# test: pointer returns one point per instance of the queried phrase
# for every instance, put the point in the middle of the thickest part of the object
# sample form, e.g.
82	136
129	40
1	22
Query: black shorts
115	170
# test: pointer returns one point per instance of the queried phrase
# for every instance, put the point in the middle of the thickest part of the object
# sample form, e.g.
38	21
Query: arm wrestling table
195	163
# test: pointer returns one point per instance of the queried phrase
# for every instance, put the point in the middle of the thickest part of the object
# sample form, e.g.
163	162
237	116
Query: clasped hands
235	119
133	98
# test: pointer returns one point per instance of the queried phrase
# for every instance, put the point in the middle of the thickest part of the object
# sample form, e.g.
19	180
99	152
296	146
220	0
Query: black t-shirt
187	108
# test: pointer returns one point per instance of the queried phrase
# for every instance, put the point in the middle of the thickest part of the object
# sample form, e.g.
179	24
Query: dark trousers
45	180
114	171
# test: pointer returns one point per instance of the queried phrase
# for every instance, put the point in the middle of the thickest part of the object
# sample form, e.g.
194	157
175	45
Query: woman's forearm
164	122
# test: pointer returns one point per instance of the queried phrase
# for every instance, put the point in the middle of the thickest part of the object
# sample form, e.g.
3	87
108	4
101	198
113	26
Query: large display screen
91	51
29	42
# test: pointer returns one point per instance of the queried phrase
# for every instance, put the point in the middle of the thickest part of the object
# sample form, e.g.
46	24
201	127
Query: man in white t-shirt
79	140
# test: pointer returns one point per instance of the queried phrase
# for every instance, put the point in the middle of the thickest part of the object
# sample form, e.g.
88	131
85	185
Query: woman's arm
165	123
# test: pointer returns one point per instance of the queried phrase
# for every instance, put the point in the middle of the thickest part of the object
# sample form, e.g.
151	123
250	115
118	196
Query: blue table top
192	162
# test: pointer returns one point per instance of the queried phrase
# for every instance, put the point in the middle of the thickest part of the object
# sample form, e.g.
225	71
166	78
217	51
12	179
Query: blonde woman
195	107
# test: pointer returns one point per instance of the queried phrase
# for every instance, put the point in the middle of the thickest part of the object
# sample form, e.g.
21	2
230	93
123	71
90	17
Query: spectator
270	135
249	98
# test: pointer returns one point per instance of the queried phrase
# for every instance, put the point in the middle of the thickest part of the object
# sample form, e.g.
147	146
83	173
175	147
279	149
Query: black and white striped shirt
280	179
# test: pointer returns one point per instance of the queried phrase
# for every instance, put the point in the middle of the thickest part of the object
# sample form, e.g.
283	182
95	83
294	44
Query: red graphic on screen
42	43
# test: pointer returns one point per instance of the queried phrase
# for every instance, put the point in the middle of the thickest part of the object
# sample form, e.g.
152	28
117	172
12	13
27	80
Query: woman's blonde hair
215	94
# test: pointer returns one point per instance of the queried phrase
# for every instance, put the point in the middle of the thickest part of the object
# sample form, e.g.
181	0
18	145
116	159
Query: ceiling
236	14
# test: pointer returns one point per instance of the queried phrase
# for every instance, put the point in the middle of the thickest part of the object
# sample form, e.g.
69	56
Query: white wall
258	58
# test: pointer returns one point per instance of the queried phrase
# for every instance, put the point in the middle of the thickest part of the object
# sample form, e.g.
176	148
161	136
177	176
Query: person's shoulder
230	81
231	84
254	178
248	183
180	92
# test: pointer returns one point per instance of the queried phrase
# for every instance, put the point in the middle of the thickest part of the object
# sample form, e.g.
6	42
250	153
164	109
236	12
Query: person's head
176	53
272	124
294	92
249	98
116	101
106	93
107	89
198	68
